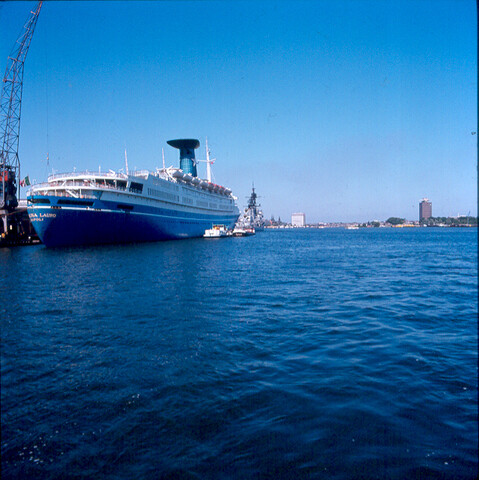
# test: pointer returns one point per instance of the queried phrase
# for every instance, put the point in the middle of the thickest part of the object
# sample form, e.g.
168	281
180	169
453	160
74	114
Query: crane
10	118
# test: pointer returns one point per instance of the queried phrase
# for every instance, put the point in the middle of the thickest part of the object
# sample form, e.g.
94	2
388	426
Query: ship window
123	206
39	200
121	184
67	201
136	187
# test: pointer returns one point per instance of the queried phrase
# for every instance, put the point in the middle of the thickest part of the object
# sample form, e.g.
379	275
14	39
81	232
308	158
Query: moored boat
95	208
243	231
217	231
252	217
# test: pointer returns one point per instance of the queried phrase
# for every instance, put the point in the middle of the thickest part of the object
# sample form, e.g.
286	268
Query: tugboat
243	231
218	231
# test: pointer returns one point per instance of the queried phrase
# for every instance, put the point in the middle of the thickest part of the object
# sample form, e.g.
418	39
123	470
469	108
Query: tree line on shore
432	221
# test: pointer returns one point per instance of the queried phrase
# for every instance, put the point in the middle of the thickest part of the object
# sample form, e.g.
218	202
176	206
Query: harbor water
292	354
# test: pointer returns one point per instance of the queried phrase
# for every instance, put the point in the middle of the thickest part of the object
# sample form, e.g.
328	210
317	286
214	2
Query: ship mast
208	163
126	162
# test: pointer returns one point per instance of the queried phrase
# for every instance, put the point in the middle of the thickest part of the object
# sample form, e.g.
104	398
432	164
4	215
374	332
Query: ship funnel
187	154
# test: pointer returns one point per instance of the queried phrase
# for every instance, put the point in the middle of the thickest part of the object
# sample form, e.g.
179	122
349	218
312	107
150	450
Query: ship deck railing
60	193
140	173
82	184
61	190
110	174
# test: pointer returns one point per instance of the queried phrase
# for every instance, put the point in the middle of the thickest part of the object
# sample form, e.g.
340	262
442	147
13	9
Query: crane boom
10	114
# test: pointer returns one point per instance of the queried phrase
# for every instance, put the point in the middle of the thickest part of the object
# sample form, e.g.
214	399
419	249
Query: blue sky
347	110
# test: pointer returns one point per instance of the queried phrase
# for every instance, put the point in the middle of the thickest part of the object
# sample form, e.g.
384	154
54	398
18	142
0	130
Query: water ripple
295	354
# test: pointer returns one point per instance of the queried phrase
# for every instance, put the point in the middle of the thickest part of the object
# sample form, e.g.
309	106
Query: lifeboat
178	174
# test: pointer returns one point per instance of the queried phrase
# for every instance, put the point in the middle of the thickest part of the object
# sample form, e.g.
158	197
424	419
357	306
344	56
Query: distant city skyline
345	110
425	212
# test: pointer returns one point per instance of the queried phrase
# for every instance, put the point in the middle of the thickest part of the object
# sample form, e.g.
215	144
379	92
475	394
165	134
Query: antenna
163	156
126	162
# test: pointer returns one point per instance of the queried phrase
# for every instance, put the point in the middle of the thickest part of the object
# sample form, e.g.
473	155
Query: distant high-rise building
298	219
425	209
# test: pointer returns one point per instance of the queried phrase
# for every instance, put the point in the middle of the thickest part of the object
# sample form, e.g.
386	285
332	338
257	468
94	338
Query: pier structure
16	228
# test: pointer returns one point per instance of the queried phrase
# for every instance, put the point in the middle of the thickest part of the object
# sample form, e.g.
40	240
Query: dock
16	228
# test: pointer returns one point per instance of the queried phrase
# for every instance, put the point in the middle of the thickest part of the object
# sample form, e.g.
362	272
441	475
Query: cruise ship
115	207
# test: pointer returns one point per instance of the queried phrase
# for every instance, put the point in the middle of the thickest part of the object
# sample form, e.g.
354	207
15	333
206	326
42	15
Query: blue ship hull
73	226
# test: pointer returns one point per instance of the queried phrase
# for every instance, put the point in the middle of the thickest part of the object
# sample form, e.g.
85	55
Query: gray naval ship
252	217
